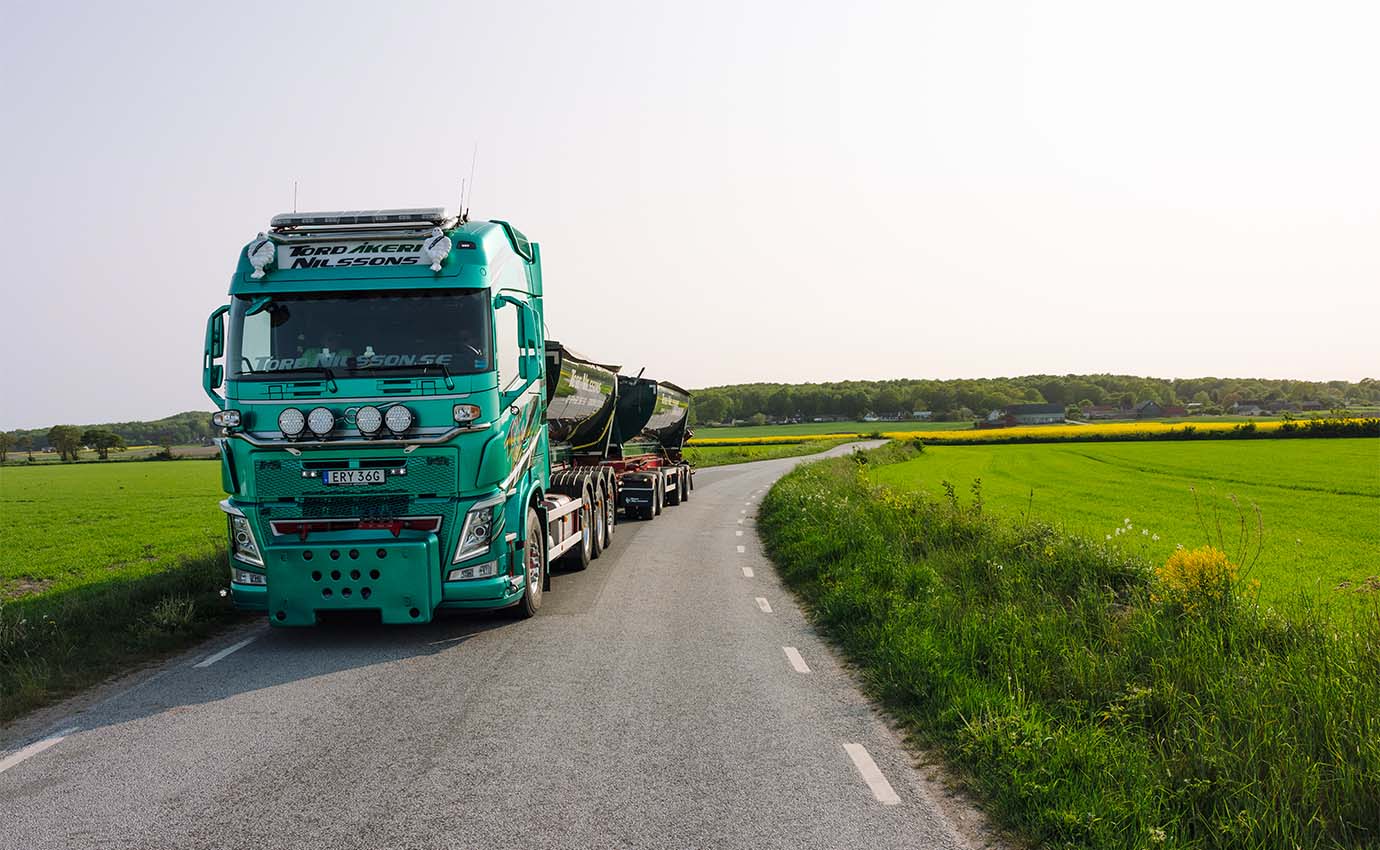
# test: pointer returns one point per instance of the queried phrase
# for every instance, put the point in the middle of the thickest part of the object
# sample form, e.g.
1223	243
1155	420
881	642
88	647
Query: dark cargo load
581	399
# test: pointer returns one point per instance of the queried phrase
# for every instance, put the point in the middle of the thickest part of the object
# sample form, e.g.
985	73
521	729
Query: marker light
398	419
465	413
437	248
291	422
225	418
320	421
260	254
488	569
369	420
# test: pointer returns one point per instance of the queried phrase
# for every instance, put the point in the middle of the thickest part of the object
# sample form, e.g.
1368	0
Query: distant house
1104	411
1248	408
1024	414
923	415
1281	407
1149	409
1310	405
1175	410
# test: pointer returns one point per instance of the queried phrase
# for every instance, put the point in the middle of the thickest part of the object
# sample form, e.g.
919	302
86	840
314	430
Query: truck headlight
465	413
488	569
242	542
481	526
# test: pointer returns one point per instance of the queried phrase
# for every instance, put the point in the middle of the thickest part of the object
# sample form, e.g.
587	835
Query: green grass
1319	500
723	432
1085	709
702	456
65	525
103	566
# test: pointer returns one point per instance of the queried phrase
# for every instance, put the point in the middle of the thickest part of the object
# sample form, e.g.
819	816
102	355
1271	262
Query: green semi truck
397	435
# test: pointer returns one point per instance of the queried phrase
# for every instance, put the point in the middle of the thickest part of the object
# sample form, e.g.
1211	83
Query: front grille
425	475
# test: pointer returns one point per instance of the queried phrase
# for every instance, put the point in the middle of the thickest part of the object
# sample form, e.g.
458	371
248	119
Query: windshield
352	334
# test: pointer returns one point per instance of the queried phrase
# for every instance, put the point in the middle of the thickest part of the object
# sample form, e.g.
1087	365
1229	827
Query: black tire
684	483
610	514
599	516
579	556
658	489
673	493
534	565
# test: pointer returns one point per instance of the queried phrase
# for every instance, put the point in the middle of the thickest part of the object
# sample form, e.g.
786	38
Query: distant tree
758	418
779	405
103	441
853	404
1072	412
887	402
6	443
710	408
25	443
65	440
1201	397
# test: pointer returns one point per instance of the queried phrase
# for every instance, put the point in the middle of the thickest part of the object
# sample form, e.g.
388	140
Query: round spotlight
369	420
320	421
291	422
398	419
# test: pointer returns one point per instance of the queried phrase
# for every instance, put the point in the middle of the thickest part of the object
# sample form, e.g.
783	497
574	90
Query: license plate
352	476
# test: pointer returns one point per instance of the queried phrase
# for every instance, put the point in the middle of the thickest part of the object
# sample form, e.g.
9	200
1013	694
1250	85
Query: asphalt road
652	703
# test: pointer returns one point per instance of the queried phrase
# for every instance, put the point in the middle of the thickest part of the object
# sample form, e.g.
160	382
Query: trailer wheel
610	514
673	493
579	556
658	494
533	565
685	482
597	544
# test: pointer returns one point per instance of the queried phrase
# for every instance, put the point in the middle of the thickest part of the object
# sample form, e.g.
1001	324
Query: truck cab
380	379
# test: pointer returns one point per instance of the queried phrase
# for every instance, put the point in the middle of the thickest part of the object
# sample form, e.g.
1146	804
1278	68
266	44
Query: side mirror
212	373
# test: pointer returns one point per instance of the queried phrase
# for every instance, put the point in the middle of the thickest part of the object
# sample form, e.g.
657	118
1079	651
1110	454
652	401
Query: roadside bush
1093	699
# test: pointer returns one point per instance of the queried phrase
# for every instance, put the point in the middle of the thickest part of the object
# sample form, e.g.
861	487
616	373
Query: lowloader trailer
396	433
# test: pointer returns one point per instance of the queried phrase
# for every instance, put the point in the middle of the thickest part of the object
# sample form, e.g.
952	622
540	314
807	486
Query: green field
1319	499
702	456
66	525
724	432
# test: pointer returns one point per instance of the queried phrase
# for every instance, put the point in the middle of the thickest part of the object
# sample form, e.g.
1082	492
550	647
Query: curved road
672	695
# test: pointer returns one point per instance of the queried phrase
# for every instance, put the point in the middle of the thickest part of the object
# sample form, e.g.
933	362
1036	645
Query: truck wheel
533	565
685	483
610	515
673	493
658	491
597	513
579	556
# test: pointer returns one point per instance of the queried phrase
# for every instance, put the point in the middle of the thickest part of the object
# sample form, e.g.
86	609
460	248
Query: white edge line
747	572
796	660
35	748
764	605
872	775
212	659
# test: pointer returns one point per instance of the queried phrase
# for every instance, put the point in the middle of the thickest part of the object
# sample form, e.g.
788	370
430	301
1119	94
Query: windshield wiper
404	367
304	370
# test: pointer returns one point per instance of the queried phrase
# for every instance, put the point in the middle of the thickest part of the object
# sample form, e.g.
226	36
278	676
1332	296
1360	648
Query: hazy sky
723	192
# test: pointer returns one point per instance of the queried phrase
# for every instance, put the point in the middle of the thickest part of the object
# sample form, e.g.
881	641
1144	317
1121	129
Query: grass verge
1089	698
54	644
702	456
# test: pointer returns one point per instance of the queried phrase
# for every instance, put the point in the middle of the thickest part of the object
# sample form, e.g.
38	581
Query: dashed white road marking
212	659
35	748
743	511
742	549
740	522
764	605
747	572
796	660
872	775
738	533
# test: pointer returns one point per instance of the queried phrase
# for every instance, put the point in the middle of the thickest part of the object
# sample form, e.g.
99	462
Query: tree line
189	428
960	399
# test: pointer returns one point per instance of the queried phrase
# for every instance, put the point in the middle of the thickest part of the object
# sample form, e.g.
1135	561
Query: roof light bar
349	218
